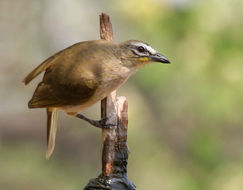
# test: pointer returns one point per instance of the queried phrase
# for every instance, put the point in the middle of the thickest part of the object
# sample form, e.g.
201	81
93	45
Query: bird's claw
104	125
97	123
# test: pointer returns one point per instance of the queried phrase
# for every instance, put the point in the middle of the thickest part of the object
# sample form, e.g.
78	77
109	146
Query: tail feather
51	131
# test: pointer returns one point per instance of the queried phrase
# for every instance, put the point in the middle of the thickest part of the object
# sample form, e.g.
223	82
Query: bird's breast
111	80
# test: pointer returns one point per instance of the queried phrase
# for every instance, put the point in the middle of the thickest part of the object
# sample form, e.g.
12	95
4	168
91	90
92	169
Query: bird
81	75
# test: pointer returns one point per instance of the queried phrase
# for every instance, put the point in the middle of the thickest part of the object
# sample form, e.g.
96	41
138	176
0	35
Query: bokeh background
185	119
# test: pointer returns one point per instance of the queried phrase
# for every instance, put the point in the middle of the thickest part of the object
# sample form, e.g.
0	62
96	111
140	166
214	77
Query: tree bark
115	149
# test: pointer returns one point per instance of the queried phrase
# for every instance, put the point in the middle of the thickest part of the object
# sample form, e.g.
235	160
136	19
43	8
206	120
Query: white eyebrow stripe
149	48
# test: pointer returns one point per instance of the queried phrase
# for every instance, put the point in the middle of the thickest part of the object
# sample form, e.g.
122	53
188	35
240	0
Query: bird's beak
159	58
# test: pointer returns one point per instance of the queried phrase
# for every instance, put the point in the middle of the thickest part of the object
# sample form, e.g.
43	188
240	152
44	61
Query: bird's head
137	53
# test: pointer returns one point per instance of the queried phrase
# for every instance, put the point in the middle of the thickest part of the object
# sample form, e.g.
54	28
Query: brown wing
42	67
72	76
45	96
53	59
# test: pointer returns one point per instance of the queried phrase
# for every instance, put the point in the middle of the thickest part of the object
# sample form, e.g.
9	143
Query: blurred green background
185	119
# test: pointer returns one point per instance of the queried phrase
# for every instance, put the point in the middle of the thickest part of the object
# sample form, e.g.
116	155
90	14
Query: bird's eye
141	49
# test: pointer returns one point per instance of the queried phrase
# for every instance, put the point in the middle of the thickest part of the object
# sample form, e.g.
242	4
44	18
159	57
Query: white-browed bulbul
83	74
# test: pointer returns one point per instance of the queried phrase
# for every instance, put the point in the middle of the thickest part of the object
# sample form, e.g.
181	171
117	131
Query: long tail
51	130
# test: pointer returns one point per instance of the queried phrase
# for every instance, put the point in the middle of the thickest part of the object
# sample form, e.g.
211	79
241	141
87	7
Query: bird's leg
97	123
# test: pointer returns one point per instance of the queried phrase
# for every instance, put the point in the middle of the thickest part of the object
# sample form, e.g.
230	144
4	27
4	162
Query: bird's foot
97	123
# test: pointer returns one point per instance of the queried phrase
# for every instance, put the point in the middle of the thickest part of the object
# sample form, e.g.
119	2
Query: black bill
159	58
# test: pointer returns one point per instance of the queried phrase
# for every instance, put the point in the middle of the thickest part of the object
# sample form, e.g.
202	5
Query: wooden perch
115	149
108	107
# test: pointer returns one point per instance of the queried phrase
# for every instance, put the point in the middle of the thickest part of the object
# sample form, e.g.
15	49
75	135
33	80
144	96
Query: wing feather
42	67
43	97
71	76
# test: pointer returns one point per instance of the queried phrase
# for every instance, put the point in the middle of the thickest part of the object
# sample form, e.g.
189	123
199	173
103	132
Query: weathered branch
108	107
115	150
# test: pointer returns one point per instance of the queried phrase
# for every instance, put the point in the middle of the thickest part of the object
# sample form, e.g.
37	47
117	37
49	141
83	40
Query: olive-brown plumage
84	73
